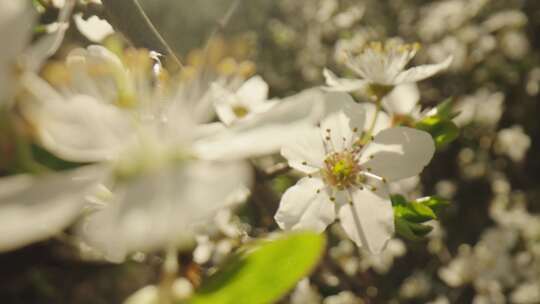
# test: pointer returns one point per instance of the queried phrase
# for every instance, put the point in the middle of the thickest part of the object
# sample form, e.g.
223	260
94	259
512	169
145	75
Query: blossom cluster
126	150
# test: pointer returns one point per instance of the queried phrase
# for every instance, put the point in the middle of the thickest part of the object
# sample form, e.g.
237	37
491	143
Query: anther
355	130
309	176
318	191
327	138
368	169
371	157
304	163
328	130
332	198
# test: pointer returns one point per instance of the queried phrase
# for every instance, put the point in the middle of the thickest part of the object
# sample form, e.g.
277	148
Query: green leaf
264	271
442	131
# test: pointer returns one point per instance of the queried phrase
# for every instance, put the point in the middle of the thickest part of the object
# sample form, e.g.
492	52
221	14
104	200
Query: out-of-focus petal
383	120
16	21
33	208
82	129
163	207
253	90
422	72
335	83
267	132
402	100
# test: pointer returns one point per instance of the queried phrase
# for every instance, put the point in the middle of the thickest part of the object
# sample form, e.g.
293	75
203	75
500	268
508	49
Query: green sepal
435	203
445	110
411	231
411	211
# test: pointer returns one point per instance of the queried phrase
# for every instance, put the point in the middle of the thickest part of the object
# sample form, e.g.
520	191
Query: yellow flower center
240	111
341	170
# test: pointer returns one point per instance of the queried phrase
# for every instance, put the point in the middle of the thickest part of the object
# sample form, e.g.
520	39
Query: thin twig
157	34
221	24
129	17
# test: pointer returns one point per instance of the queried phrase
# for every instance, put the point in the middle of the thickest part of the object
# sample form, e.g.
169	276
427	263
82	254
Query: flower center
240	111
402	120
341	169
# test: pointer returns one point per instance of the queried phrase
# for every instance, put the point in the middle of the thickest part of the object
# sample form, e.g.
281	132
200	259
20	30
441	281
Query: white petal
81	62
422	72
208	129
35	55
402	99
16	22
35	208
82	129
335	102
253	90
302	208
267	132
383	120
398	153
262	106
223	100
342	84
337	127
307	148
369	220
404	186
93	28
164	207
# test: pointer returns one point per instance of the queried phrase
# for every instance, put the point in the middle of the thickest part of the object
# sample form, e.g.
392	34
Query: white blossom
513	142
346	178
381	66
249	99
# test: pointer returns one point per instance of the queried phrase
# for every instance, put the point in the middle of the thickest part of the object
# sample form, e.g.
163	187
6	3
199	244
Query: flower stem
168	275
369	132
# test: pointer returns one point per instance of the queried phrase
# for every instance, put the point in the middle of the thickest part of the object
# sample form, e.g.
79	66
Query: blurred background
486	248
